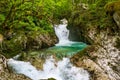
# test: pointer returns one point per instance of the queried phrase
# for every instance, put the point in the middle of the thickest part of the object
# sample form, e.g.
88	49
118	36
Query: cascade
60	70
62	33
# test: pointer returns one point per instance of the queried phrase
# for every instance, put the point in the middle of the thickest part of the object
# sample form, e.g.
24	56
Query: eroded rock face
108	56
104	59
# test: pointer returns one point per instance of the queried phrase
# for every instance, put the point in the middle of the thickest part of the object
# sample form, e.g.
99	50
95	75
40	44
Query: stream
59	70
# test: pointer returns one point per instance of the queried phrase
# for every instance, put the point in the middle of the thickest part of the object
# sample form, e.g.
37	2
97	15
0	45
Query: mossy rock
38	40
51	79
34	42
112	7
15	45
87	52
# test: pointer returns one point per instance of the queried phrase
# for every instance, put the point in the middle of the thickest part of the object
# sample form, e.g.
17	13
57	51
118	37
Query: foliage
94	17
32	15
40	15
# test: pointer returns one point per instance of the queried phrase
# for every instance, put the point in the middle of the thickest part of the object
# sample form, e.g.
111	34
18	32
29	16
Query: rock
3	63
104	59
116	17
108	55
22	41
36	58
5	73
92	67
1	38
15	45
103	56
12	76
36	40
1	41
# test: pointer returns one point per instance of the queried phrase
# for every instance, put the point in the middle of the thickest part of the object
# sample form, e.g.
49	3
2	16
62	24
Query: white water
62	33
61	70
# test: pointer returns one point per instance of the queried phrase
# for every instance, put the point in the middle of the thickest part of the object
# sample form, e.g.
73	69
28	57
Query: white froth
61	70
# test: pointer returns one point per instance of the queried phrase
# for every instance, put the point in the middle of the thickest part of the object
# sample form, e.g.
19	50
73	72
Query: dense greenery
37	15
24	23
96	15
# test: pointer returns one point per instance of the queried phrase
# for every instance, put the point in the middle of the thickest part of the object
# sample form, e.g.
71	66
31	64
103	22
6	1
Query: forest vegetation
27	25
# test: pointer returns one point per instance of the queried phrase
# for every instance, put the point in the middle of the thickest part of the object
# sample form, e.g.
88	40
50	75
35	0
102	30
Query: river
59	70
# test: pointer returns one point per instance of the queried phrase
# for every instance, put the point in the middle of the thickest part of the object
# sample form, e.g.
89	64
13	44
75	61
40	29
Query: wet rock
116	17
22	41
97	73
6	74
36	40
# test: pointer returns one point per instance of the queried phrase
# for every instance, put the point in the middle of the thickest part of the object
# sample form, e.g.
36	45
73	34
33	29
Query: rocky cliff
102	57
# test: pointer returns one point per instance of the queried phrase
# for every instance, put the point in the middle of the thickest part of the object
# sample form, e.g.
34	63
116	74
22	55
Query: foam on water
61	70
62	33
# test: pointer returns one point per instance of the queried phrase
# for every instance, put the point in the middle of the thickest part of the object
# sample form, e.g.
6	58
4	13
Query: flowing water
60	70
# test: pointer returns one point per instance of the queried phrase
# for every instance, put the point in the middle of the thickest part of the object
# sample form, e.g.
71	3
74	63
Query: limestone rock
88	64
116	17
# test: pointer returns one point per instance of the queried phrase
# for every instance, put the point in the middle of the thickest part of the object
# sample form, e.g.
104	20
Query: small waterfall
62	33
61	70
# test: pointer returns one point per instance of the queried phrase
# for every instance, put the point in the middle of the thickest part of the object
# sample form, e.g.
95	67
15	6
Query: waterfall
62	33
61	70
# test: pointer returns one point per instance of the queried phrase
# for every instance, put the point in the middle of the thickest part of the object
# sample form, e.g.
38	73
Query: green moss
15	45
112	7
85	52
51	79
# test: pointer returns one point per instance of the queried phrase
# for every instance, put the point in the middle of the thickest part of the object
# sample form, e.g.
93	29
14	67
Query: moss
51	79
86	51
112	7
94	18
15	45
